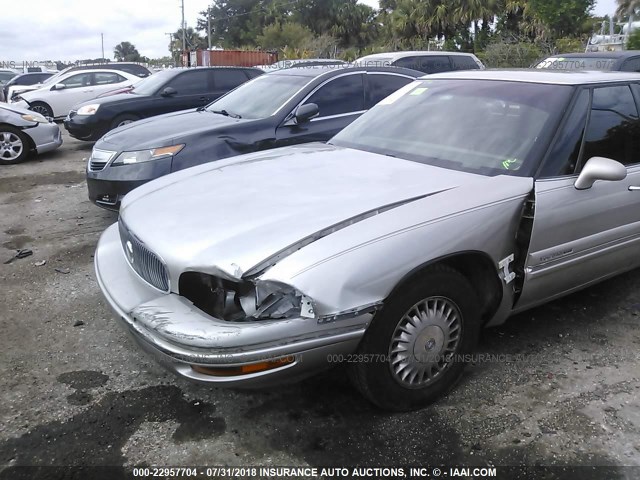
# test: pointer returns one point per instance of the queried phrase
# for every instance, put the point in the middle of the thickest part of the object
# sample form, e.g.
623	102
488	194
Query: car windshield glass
577	63
150	85
477	126
260	97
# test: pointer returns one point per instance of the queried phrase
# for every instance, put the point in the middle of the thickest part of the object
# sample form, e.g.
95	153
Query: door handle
634	188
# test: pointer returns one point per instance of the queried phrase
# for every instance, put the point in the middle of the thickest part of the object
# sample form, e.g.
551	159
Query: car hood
226	218
14	109
163	130
112	99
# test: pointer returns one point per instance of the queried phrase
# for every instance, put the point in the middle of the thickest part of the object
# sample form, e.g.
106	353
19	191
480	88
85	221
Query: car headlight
244	301
88	109
278	301
140	156
34	117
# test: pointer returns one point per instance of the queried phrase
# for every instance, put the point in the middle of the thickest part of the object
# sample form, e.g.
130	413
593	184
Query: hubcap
424	340
41	109
11	146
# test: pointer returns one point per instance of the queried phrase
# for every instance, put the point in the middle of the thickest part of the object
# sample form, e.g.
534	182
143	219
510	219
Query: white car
72	88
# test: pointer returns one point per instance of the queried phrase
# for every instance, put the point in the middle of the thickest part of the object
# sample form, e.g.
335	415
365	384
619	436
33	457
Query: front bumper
181	336
45	136
107	187
85	127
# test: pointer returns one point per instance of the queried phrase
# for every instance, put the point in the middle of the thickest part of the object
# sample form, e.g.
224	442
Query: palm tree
125	51
627	8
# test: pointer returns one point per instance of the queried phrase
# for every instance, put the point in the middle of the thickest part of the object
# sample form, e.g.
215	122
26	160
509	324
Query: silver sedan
454	203
23	132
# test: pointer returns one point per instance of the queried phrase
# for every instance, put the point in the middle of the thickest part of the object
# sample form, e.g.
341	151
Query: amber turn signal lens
244	369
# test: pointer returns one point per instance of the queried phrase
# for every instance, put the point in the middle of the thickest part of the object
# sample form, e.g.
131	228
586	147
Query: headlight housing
244	301
34	117
141	156
88	109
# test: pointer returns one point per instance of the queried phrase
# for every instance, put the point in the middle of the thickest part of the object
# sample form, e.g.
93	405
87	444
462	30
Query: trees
126	52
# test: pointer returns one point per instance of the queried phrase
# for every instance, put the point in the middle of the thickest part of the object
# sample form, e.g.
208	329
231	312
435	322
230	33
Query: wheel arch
476	266
32	145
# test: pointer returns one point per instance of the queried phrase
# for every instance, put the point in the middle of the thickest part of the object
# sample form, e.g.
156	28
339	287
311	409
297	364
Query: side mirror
304	113
168	92
59	86
600	168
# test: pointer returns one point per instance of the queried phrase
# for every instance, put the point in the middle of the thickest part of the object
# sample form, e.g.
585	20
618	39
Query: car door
76	89
582	236
631	65
191	88
340	99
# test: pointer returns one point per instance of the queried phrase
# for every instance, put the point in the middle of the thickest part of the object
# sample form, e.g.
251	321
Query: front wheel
124	119
41	108
416	344
14	145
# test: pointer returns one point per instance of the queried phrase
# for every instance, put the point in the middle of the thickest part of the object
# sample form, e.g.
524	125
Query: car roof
414	53
616	54
578	77
318	70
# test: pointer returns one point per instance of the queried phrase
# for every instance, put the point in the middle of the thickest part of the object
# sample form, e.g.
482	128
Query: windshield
577	63
477	126
150	85
260	97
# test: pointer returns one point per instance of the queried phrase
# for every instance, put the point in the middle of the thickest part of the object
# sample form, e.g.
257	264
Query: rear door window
631	65
339	96
381	85
427	63
463	62
106	78
190	82
228	79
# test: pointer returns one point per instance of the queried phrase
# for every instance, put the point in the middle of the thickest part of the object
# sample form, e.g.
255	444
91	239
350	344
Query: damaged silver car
457	201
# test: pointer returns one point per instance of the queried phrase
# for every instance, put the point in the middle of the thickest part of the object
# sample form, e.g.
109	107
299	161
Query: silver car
23	132
454	203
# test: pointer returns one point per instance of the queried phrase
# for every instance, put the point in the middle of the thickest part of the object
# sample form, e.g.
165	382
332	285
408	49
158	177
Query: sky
69	30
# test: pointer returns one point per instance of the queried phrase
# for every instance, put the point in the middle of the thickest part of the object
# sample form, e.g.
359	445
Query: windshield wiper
226	114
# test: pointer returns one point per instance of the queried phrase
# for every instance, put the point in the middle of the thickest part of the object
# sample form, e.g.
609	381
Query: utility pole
102	40
209	26
184	33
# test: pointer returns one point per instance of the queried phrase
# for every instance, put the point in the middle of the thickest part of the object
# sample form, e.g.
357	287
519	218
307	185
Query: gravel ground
75	390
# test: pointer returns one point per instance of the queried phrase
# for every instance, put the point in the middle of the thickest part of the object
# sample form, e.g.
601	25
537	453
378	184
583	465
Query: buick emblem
130	251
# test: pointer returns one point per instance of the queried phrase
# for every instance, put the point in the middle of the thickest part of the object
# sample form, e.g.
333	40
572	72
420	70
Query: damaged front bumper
195	345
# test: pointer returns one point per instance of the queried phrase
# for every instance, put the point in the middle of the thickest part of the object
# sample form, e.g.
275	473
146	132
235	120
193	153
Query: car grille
142	260
99	159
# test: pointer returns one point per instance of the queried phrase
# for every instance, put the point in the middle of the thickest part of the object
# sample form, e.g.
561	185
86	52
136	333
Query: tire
41	108
123	120
433	352
14	145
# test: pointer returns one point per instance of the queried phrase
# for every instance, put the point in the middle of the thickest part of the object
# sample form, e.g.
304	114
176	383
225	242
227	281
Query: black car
281	108
166	91
24	79
624	61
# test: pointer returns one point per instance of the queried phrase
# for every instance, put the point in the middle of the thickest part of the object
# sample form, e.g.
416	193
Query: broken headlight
244	301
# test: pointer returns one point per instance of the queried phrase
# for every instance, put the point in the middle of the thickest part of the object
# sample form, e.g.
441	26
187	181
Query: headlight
244	301
126	158
88	109
34	117
278	301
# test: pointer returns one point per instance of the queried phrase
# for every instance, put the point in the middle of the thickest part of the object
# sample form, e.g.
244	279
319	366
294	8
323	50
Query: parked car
460	200
132	68
426	62
24	79
23	132
300	62
285	107
164	92
625	61
70	89
6	75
